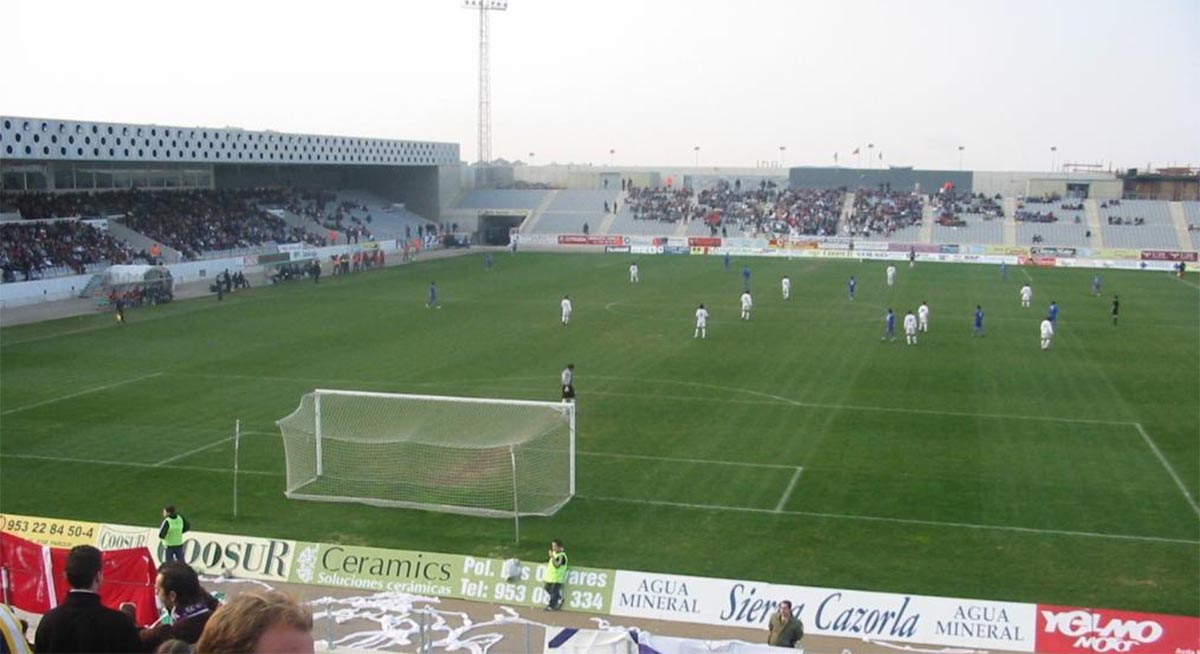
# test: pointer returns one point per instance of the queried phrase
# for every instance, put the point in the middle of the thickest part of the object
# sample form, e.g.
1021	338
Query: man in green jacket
556	575
785	629
171	533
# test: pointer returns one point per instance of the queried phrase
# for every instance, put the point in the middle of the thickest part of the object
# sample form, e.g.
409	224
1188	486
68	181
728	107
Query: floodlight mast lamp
485	84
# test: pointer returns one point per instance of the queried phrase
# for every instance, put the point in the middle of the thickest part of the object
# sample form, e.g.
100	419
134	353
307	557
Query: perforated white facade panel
46	139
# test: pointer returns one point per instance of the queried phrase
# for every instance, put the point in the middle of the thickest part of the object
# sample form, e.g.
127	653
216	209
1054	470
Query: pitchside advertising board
887	617
587	590
828	612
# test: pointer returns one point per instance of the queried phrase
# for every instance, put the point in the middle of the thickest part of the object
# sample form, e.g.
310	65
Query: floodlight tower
485	85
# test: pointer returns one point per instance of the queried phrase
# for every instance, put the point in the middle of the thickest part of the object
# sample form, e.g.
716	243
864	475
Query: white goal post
473	456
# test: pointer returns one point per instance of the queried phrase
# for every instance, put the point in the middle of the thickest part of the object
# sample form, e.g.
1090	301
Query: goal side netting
475	456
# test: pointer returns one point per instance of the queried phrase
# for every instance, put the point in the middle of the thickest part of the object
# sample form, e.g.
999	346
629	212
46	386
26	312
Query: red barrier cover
128	577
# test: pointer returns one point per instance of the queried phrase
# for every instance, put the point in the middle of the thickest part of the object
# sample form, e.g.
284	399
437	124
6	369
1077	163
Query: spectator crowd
30	250
191	221
758	210
881	212
953	207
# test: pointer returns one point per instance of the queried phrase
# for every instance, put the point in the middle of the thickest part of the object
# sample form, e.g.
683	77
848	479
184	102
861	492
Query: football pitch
796	447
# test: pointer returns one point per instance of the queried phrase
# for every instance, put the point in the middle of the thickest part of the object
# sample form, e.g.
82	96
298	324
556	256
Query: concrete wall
1017	183
43	290
590	177
1102	189
901	179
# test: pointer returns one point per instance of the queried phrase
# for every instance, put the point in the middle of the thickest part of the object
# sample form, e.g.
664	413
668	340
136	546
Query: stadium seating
384	218
52	248
976	230
1139	224
568	222
568	210
1150	211
1191	214
1056	210
1060	234
585	201
885	215
502	199
1157	237
624	223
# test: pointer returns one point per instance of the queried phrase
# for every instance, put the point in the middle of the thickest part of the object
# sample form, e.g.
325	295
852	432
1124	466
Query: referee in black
568	384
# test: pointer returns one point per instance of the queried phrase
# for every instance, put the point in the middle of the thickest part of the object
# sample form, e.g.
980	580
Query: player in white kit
1047	333
701	323
910	328
633	273
786	285
1026	295
923	317
891	275
566	309
747	304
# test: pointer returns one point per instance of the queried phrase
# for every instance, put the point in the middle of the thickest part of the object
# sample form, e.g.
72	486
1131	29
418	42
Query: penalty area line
87	391
787	494
134	464
1170	470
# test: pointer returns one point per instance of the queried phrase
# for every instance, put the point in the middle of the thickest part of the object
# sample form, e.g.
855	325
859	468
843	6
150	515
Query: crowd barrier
886	617
848	248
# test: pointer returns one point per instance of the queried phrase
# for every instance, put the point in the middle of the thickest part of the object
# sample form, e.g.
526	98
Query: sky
642	82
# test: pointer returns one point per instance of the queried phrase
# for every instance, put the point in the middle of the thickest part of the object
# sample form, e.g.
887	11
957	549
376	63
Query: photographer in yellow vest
170	534
556	575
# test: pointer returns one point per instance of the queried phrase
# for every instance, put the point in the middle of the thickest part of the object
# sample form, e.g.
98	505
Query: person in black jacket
81	623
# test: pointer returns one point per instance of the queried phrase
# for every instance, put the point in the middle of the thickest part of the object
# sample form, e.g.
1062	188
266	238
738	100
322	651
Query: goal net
475	456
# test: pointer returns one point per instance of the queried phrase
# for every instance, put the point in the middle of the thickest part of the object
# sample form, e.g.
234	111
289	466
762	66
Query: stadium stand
503	199
1048	210
1055	233
52	248
355	214
1135	212
971	230
885	215
197	223
582	201
1158	237
569	210
967	218
1191	214
1138	224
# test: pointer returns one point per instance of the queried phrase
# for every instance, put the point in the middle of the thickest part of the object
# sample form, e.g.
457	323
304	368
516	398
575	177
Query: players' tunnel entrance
494	228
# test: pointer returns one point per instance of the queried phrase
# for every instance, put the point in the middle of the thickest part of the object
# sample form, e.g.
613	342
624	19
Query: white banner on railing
828	612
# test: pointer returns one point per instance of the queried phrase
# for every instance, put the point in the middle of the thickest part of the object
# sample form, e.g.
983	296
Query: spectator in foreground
267	622
174	646
784	629
12	633
81	623
178	588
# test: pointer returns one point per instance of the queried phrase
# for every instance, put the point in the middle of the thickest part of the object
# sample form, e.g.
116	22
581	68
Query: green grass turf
935	439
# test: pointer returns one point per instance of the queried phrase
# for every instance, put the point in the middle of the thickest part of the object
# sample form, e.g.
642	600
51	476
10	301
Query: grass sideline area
794	448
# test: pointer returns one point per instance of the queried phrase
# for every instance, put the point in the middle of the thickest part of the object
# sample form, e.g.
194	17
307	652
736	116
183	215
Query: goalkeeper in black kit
568	384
